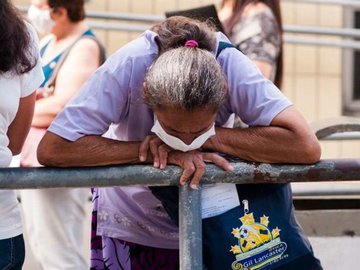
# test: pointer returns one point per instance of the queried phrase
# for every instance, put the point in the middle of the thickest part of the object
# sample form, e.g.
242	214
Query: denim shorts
12	253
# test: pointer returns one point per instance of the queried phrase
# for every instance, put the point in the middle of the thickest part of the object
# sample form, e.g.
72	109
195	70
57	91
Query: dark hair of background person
176	30
274	5
75	8
15	41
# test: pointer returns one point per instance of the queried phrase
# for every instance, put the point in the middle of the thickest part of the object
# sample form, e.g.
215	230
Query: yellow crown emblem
252	234
257	245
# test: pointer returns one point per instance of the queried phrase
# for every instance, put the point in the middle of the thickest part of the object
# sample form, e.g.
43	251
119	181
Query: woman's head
75	9
185	87
176	30
186	78
186	75
15	41
49	15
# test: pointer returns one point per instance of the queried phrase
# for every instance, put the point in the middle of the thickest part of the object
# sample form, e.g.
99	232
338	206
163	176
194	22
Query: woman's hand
193	163
158	149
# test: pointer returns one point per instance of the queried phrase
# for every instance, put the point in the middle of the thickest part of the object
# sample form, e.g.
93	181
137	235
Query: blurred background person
55	218
255	27
20	75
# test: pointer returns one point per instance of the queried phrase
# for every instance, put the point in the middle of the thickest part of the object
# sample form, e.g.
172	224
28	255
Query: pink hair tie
191	43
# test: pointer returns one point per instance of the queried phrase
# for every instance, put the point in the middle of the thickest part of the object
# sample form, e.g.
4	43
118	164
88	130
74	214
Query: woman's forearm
265	144
288	139
86	151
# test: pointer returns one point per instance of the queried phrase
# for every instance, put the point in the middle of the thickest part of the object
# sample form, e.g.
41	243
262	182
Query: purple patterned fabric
114	254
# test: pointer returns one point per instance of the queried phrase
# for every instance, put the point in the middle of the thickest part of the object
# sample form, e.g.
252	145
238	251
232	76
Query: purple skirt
115	254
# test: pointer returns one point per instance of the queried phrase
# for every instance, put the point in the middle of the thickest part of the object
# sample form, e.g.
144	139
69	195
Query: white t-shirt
12	88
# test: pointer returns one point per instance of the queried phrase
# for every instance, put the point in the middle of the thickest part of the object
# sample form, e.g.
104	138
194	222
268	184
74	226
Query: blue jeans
12	253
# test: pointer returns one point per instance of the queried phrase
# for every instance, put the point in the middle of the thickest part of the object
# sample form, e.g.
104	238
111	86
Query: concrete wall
313	75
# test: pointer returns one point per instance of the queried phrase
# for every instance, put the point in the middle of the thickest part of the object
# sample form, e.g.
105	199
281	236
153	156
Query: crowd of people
167	97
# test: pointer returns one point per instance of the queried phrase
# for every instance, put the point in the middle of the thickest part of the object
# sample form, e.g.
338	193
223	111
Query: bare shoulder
86	45
85	52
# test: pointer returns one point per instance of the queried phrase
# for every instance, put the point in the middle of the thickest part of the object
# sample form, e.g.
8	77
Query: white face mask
40	19
178	144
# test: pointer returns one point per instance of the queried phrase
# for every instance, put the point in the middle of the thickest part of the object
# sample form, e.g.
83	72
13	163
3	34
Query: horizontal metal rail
118	27
346	136
335	126
190	200
346	44
350	3
322	190
132	17
119	16
151	19
128	175
315	30
147	20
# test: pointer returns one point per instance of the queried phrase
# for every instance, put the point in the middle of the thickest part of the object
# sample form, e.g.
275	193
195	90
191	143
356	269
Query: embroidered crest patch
257	246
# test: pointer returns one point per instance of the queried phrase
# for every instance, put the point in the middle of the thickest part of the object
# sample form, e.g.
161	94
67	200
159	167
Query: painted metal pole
190	231
146	175
335	126
190	228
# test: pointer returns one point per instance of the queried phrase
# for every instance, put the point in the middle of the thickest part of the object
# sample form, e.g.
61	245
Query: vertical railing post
190	231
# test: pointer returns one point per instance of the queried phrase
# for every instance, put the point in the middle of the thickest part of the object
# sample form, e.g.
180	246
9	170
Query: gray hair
187	78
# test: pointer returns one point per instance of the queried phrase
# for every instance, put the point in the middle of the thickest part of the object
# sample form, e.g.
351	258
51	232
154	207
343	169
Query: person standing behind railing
55	218
20	76
166	97
255	28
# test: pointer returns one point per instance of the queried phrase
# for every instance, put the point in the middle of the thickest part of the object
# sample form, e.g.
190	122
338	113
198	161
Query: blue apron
261	233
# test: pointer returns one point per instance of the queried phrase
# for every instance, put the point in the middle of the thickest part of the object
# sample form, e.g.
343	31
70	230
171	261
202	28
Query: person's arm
20	126
56	151
74	138
81	62
288	139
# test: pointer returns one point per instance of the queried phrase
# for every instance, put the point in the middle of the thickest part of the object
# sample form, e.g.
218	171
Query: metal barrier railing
189	200
349	3
130	175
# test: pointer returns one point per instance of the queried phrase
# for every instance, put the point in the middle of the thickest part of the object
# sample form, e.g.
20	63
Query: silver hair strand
187	78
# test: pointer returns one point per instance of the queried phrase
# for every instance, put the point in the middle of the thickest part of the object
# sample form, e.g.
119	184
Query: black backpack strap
223	45
169	198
